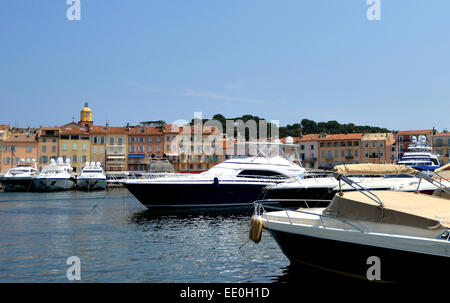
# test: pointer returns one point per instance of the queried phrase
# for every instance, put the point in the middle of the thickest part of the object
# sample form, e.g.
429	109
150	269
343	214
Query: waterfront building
4	129
339	149
171	132
144	142
377	148
116	149
98	144
74	144
19	144
441	146
198	155
48	145
309	150
403	139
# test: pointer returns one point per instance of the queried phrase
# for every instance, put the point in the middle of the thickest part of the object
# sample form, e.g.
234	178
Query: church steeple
86	116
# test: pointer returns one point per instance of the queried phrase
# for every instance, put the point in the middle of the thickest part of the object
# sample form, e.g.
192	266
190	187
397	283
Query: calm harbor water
118	240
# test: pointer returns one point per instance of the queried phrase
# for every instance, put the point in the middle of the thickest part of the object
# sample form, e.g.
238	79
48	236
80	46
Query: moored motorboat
374	235
20	178
92	177
55	176
235	182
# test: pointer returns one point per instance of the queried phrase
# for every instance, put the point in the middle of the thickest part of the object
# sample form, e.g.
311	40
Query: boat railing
260	207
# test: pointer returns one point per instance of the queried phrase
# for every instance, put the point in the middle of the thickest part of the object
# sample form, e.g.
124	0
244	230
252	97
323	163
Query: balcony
349	157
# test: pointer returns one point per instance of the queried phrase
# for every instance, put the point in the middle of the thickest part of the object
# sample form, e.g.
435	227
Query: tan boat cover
445	167
372	169
400	208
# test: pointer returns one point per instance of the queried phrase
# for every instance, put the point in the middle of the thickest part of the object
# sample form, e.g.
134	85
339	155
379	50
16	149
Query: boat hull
91	184
53	184
351	259
18	184
168	195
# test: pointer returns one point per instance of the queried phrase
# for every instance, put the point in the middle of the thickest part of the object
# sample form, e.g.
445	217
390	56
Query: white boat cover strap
400	208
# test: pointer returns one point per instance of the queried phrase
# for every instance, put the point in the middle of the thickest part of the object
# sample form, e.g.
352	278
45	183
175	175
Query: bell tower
86	116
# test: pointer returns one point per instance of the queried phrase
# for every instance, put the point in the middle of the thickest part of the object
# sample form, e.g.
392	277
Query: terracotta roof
309	137
415	132
98	130
376	136
73	130
21	137
338	137
172	129
145	131
117	130
443	134
4	126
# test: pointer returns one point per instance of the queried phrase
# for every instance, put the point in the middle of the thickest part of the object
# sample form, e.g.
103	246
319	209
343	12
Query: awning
136	156
116	157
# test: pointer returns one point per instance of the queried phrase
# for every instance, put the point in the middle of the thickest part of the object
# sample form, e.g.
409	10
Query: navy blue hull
350	259
196	195
23	185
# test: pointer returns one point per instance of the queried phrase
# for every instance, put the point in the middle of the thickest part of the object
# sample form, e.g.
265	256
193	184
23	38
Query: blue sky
284	60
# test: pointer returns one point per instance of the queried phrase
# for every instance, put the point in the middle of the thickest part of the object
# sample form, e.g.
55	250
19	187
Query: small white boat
405	234
92	177
56	176
20	178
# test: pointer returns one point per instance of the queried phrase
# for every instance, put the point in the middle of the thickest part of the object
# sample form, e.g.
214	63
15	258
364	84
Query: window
132	149
95	149
111	150
158	148
119	150
64	146
119	141
168	138
111	141
84	158
168	147
329	154
141	140
259	173
141	149
7	160
54	149
44	140
150	140
356	153
400	138
44	150
158	140
132	139
74	146
312	147
323	153
336	153
74	159
54	140
199	166
102	149
84	146
43	159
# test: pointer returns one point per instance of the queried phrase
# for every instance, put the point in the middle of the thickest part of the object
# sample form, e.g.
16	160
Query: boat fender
216	181
255	229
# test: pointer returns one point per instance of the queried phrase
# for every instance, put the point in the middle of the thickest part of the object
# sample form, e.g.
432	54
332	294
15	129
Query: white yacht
92	177
58	175
419	155
20	178
408	233
234	182
319	190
